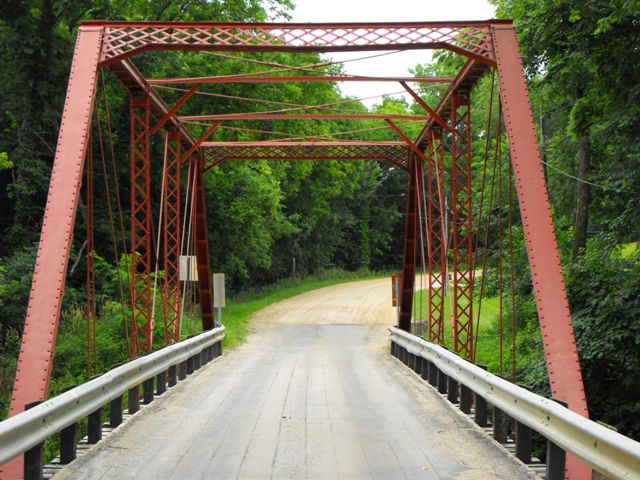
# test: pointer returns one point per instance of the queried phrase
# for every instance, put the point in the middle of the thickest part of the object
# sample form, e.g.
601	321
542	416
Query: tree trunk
582	193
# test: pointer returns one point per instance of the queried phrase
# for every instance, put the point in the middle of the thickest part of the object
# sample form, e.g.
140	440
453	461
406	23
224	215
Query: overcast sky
386	11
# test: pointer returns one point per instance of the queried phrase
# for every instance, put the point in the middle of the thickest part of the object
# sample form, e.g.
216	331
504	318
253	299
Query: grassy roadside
236	315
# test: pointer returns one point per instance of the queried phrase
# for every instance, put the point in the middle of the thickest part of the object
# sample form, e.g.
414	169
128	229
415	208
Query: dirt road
312	394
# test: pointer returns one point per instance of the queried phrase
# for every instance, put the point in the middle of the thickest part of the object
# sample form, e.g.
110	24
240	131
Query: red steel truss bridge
443	235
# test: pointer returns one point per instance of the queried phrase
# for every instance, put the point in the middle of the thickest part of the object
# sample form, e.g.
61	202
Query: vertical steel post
462	226
436	234
558	338
171	214
142	328
410	244
47	288
202	247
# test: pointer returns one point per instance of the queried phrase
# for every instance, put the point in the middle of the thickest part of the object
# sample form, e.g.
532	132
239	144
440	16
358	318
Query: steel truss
171	217
486	45
437	237
462	203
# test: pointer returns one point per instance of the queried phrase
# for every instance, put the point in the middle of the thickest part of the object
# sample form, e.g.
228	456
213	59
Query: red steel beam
437	118
436	233
410	246
171	214
196	145
171	113
124	39
276	143
202	246
558	337
140	284
245	78
47	288
302	116
462	200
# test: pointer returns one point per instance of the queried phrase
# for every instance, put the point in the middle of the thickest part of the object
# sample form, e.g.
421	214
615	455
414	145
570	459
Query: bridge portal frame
486	44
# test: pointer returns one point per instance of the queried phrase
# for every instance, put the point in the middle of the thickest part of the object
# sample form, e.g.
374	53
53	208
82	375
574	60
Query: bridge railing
27	431
605	450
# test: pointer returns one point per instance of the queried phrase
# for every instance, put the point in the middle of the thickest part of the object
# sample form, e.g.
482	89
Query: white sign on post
219	300
188	268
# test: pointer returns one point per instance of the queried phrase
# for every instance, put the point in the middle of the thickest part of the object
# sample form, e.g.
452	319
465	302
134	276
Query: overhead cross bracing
195	139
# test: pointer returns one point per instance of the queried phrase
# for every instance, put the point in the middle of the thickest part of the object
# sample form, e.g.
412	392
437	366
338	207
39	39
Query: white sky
398	64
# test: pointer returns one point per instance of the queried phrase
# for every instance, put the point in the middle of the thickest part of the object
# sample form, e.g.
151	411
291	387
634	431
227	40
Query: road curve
312	394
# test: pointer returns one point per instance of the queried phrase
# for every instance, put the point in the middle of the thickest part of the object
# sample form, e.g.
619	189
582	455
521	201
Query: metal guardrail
605	450
22	432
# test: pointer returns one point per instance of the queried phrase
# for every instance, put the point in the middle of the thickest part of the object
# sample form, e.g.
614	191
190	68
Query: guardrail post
394	349
480	406
94	426
523	442
466	398
433	375
190	363
499	426
68	444
442	381
33	458
68	439
173	375
134	399
147	391
115	412
219	344
452	390
426	368
161	382
556	456
182	370
196	361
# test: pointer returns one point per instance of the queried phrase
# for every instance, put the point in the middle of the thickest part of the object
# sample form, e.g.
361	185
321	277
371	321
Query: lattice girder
140	281
123	39
396	153
171	217
461	192
436	231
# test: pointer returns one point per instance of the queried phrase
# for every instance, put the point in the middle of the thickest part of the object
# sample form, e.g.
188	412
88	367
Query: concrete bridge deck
312	394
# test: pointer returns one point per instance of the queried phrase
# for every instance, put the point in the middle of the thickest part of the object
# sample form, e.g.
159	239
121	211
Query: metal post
461	187
147	391
171	214
173	375
142	328
197	361
466	398
182	370
499	426
426	368
34	457
202	246
452	390
433	375
115	412
133	399
94	426
190	365
161	383
480	407
436	234
410	245
523	442
442	381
